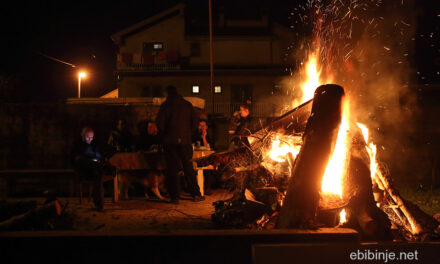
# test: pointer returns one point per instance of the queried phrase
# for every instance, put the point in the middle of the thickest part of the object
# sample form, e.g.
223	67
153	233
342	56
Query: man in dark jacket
87	161
177	121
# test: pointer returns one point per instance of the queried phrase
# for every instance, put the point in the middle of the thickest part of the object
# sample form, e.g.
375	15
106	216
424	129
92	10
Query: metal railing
257	109
151	67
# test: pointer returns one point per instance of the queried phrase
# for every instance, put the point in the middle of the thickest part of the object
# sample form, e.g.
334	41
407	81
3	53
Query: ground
140	214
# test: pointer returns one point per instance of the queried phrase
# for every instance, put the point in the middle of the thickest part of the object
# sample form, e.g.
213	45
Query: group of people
176	130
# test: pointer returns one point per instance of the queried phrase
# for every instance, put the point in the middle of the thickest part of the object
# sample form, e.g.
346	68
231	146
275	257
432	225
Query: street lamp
80	75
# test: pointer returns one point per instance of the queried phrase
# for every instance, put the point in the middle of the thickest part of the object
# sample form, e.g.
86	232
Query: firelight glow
81	74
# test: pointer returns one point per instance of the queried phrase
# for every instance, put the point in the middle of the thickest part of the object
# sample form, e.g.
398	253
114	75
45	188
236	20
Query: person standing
177	121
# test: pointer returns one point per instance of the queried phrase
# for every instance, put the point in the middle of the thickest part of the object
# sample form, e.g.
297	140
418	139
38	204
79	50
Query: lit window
217	89
196	89
157	46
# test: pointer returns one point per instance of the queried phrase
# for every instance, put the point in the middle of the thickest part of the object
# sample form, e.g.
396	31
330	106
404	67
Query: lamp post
80	75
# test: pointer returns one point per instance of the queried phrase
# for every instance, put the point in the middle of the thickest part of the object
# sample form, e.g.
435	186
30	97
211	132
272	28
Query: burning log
414	220
290	123
302	198
241	157
400	211
363	214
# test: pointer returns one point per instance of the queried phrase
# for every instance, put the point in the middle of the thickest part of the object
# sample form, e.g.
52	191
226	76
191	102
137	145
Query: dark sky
72	31
79	33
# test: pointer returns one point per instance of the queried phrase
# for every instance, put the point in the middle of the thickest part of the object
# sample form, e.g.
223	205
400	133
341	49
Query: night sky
79	33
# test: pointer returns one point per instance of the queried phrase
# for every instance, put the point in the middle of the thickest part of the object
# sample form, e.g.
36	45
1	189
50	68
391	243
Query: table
198	153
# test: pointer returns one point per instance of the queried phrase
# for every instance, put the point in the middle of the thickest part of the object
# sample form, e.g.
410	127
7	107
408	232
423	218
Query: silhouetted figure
177	122
120	138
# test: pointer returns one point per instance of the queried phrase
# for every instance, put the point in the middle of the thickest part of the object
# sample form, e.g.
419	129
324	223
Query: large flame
311	74
371	149
312	78
337	165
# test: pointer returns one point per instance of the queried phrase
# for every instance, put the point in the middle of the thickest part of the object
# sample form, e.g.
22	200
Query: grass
427	200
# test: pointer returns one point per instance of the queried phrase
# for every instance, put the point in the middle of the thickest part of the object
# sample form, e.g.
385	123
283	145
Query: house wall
170	32
227	50
262	86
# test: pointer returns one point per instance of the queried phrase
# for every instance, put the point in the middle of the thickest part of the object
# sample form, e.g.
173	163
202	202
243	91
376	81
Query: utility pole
211	59
211	71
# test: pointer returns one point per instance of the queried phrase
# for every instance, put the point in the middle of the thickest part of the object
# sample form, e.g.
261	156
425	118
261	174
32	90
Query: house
172	48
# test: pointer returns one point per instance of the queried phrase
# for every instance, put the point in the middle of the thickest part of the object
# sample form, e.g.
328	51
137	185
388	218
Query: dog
150	179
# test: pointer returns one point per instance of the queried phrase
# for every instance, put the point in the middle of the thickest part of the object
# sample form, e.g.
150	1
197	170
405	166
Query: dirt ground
140	214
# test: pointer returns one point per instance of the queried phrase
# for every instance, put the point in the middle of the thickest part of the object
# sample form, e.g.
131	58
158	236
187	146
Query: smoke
365	46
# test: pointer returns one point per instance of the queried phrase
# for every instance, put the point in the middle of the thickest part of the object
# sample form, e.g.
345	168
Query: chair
79	180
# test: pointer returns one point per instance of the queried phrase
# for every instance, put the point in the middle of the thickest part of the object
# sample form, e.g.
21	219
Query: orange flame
337	165
280	149
371	149
312	82
313	79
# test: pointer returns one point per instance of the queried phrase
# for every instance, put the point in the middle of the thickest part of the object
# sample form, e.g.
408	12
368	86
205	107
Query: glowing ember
332	180
371	149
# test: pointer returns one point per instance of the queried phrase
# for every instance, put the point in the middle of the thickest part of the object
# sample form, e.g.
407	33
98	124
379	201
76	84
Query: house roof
200	27
176	10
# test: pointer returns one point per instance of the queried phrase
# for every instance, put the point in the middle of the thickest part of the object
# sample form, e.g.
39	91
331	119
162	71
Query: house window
217	89
196	89
157	46
152	46
195	49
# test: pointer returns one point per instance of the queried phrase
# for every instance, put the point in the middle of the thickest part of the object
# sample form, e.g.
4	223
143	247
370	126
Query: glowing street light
80	75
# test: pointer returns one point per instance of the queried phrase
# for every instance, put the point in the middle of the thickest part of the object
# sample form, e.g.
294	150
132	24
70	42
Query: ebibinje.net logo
384	256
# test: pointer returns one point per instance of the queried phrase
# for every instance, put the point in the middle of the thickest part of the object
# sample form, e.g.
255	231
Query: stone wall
41	136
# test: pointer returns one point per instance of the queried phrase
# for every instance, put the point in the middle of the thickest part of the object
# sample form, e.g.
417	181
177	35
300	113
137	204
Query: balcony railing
150	67
257	109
